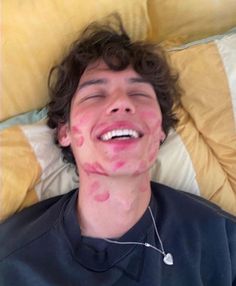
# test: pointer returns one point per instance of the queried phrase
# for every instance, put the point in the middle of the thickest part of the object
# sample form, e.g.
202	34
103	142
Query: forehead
100	68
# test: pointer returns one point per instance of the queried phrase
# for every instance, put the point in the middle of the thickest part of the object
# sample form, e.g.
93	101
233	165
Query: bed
200	40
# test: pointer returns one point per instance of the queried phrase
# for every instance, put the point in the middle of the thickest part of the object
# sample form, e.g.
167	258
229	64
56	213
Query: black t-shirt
42	245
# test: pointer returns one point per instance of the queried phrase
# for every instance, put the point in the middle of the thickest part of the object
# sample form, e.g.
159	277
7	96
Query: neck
109	206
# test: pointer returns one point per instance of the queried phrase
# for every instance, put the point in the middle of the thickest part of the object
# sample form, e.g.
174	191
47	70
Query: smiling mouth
120	134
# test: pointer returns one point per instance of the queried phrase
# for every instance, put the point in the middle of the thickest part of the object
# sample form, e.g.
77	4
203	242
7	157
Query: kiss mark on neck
94	187
102	197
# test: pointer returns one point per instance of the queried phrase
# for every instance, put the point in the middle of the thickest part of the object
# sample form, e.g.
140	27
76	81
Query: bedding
198	157
41	33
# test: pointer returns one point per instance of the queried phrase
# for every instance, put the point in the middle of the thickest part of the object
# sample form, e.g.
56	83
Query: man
111	108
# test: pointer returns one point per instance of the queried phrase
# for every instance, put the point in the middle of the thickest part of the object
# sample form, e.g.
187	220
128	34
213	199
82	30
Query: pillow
177	22
35	34
208	115
199	157
32	167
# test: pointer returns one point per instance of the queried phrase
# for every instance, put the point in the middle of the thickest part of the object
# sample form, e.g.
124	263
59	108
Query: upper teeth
118	133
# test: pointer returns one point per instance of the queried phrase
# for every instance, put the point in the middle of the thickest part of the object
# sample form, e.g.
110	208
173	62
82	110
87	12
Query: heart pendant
168	259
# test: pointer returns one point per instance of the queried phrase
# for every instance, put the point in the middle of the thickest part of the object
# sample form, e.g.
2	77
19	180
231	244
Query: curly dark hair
116	49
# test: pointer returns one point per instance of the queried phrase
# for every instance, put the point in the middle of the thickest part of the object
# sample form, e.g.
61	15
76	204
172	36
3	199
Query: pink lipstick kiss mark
75	130
149	114
118	165
102	197
119	148
94	168
80	141
94	187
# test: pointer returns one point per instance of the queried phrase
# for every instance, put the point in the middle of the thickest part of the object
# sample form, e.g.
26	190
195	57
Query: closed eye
140	94
91	97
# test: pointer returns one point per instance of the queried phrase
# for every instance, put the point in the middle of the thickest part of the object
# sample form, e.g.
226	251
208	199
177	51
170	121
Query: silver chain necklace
167	259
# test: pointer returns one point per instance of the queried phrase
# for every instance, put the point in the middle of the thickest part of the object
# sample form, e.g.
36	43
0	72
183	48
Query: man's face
115	123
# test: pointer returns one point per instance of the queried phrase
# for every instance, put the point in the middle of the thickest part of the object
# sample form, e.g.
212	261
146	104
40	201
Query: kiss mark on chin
102	197
119	165
94	168
119	148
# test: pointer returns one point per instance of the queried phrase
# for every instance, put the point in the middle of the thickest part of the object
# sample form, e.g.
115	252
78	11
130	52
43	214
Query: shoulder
187	204
195	217
30	223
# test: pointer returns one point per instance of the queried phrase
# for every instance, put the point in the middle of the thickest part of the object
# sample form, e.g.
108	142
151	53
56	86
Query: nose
121	103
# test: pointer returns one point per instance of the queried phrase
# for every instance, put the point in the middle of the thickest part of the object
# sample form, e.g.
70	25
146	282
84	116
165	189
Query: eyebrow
92	82
138	80
104	81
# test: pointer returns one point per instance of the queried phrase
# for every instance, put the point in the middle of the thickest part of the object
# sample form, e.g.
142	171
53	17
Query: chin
128	169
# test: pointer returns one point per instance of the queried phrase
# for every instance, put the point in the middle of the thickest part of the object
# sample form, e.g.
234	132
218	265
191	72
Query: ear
63	135
163	137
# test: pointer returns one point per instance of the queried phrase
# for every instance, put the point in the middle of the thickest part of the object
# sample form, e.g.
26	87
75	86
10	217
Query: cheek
75	130
153	155
143	166
80	141
77	135
151	114
81	117
153	119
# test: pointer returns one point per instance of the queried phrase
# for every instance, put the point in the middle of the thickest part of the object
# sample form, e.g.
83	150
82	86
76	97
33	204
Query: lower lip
121	141
120	145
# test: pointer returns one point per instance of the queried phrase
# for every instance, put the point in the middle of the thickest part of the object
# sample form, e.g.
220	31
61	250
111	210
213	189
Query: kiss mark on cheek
102	197
80	141
158	124
151	114
75	130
